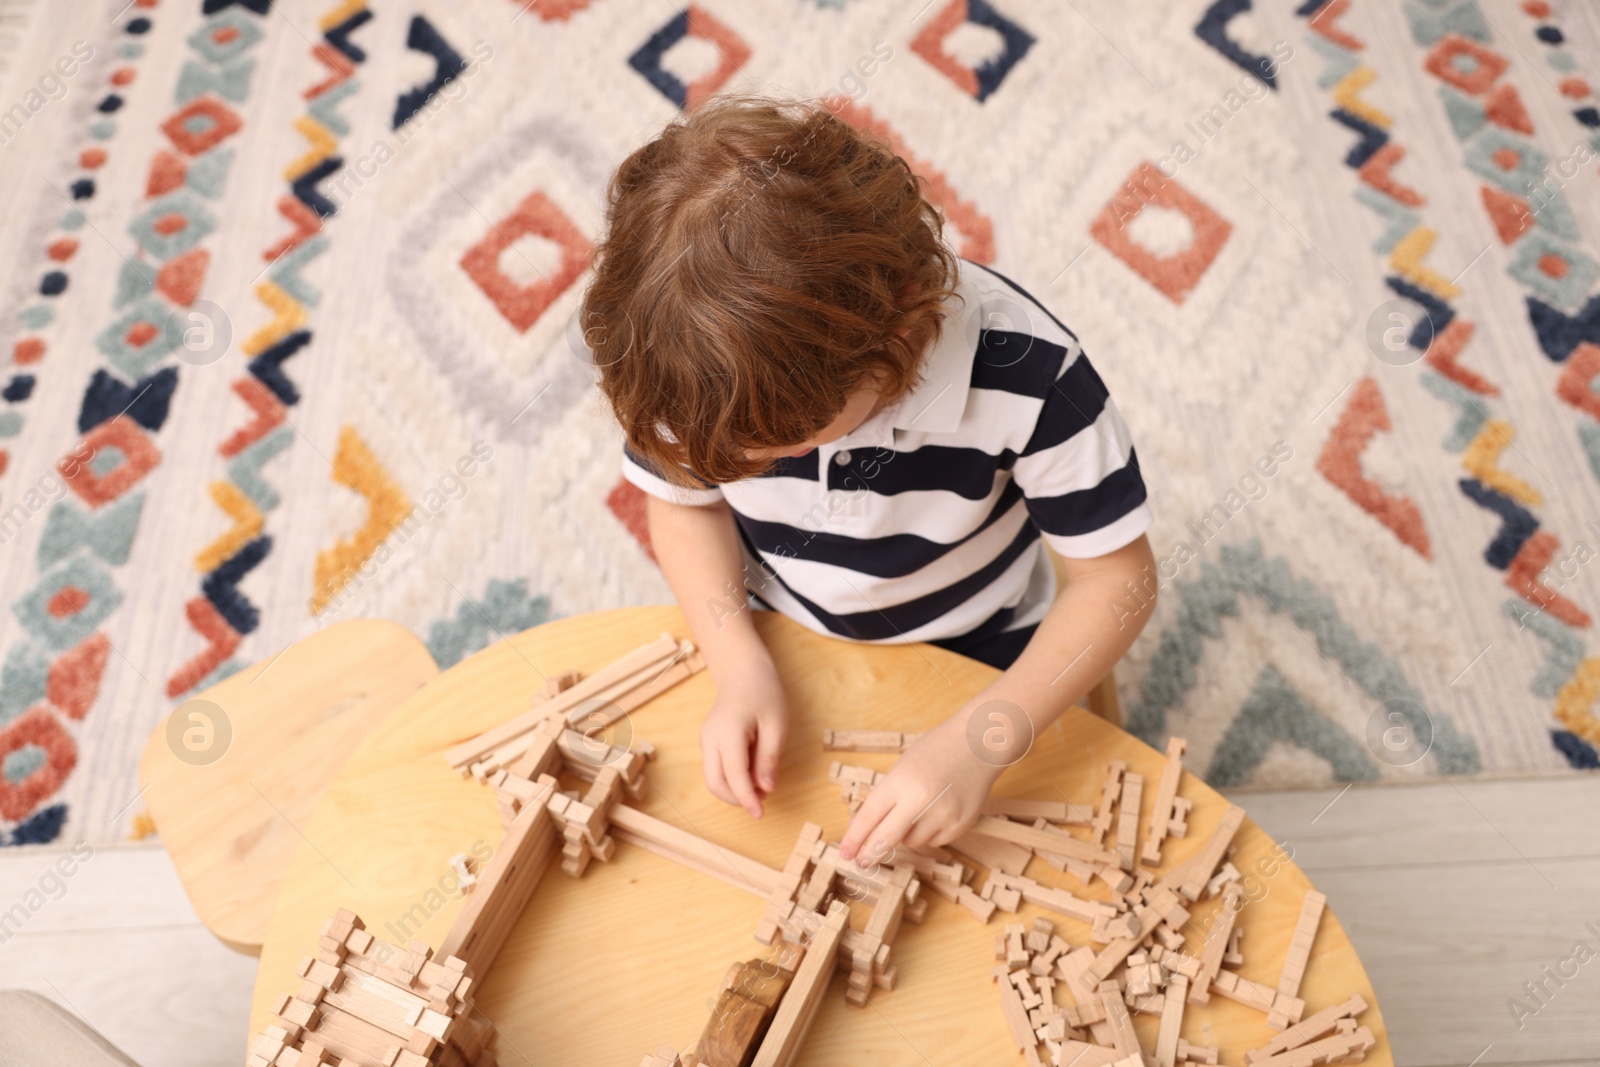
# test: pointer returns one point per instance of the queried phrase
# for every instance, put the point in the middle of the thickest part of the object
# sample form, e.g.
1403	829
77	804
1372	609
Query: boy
838	419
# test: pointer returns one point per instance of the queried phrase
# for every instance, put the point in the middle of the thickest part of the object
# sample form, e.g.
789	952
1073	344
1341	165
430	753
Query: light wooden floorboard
118	944
1454	895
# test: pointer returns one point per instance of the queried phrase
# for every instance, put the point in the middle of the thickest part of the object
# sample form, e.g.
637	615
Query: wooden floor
1455	896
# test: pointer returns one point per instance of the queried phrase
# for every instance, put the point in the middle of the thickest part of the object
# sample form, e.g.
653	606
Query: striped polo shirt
927	521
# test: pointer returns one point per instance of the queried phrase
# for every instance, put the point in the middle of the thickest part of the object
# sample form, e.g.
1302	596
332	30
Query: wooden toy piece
744	1009
854	782
504	886
866	740
931	868
1111	957
1055	841
1082	1054
780	902
1128	817
1016	948
1313	1027
1122	1036
1109	791
1005	897
1216	943
1074	968
1016	1015
1059	901
1197	872
1262	998
557	684
1227	873
1053	810
799	1005
1044	961
1339	1047
1171	1021
379	1004
632	826
1039	935
1234	957
601	711
584	824
1170	813
638	667
1294	965
1027	991
1188	1053
993	853
665	1056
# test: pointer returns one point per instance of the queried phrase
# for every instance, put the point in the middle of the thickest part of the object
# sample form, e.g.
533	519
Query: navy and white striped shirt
925	522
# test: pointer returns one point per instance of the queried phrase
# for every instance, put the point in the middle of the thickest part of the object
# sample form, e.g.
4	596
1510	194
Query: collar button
842	458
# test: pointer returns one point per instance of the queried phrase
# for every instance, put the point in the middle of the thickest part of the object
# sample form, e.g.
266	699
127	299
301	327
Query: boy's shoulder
1018	344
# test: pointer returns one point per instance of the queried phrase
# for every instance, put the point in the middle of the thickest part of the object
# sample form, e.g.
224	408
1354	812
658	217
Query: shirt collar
937	402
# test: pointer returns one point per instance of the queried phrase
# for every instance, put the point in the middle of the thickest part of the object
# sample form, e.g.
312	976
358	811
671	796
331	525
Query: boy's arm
698	549
937	789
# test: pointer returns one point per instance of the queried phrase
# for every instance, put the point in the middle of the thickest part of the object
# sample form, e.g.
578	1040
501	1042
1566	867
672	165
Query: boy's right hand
742	739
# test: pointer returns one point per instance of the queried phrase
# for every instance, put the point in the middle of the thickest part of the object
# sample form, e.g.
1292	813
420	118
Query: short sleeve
1079	473
647	476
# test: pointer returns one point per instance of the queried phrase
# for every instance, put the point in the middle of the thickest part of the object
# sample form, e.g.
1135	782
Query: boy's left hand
930	797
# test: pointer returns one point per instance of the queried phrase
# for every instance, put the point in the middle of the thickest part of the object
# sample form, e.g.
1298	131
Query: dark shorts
996	649
987	644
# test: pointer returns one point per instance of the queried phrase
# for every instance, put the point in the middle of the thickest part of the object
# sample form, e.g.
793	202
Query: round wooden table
603	969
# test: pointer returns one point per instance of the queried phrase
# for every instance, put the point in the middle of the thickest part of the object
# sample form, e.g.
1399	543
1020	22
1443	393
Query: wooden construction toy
596	700
1169	816
365	1001
1109	791
1135	958
1049	810
1294	967
866	741
1128	818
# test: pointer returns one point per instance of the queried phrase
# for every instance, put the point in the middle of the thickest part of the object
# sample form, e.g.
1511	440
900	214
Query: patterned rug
289	285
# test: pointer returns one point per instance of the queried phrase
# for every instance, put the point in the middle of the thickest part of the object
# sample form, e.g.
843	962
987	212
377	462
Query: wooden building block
1128	817
1122	1035
1197	872
1294	964
1110	789
630	825
733	1032
1039	935
639	662
1171	1021
1216	943
1170	813
1081	1054
1059	901
1314	1026
1028	837
866	740
799	1006
993	853
605	708
1052	810
504	887
1016	1015
1339	1047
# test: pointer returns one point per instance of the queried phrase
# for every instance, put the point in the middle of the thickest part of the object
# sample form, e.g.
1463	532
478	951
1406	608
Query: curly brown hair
763	261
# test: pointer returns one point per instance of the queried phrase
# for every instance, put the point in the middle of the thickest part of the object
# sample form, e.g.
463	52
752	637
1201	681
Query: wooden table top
604	969
266	743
